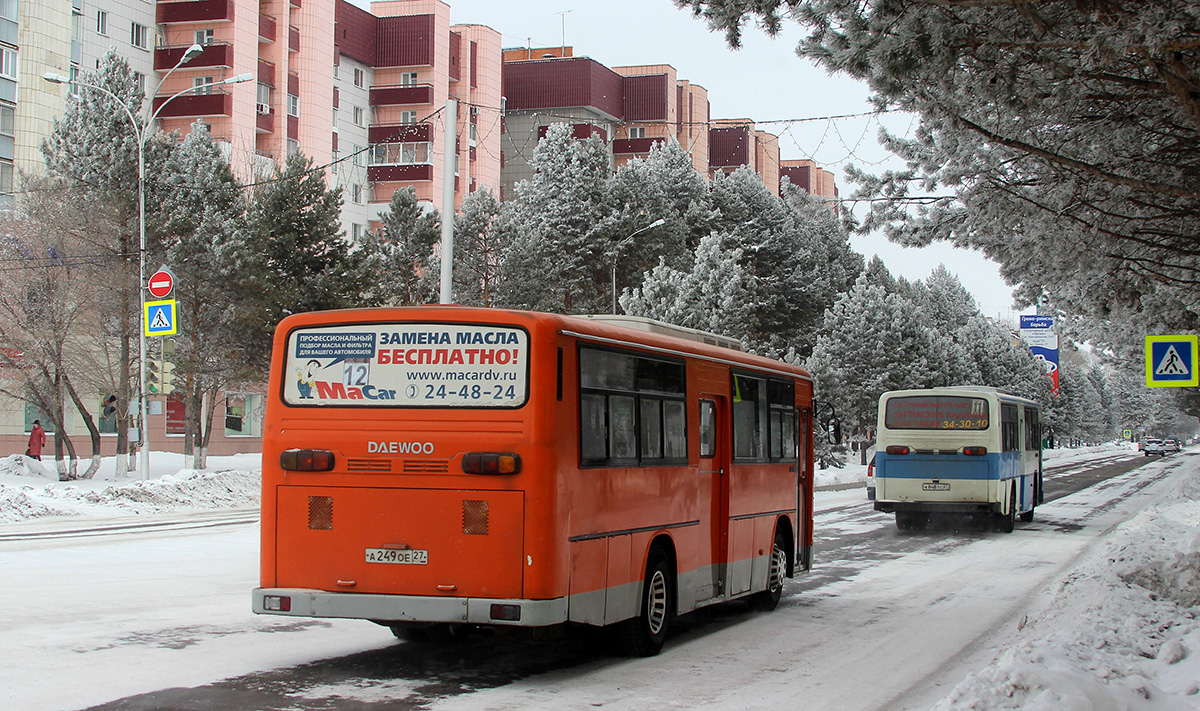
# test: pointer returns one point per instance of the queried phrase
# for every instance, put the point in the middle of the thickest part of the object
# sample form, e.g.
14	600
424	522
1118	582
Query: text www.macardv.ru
473	376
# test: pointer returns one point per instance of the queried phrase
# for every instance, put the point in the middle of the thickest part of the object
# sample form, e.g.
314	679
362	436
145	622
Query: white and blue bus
958	451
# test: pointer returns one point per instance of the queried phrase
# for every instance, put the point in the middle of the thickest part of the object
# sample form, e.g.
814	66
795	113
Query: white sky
764	81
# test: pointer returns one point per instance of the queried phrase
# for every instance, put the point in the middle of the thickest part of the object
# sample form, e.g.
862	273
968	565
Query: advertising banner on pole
1038	333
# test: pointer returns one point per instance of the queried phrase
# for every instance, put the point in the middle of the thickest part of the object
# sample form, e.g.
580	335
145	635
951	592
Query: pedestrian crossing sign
160	318
1171	361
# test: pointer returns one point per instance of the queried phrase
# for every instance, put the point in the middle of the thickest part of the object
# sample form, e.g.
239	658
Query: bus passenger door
805	482
714	464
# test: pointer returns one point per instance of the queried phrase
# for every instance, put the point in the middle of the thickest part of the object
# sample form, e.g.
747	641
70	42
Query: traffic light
168	377
160	377
153	377
109	408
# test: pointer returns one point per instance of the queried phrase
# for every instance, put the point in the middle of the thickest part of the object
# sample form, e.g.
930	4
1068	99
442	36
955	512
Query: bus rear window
936	412
407	365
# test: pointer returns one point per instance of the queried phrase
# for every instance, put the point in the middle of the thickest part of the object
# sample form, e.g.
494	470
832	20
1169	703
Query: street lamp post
141	133
617	254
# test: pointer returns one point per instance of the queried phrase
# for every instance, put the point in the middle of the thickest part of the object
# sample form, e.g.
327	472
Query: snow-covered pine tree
478	244
200	213
561	229
399	255
295	255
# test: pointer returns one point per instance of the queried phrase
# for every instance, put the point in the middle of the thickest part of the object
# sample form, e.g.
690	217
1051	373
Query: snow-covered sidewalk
1118	632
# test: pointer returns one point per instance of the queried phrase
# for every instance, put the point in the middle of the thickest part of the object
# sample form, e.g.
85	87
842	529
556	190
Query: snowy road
158	618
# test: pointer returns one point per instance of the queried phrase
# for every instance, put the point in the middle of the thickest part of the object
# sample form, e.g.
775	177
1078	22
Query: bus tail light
491	463
306	460
975	451
898	449
277	603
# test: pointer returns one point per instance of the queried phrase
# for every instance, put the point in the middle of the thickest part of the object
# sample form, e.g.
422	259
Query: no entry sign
161	284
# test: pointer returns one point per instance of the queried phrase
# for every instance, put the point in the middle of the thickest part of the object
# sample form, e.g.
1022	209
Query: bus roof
962	390
645	334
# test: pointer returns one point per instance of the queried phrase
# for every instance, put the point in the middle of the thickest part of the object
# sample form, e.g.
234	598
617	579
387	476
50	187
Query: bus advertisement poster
408	365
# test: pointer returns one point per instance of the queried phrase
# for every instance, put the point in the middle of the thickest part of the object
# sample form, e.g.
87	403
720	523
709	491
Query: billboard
1038	333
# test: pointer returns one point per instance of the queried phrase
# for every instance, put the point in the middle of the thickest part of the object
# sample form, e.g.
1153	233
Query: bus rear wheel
644	635
1005	522
767	600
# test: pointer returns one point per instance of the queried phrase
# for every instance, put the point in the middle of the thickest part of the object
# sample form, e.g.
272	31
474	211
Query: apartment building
631	108
807	175
362	93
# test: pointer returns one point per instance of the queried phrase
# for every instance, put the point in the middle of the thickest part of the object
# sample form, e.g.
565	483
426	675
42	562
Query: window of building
336	68
408	117
293	146
632	409
335	119
137	77
202	85
8	63
473	131
204	36
6	183
408	78
360	116
8	115
637	131
360	77
358	155
400	154
357	232
293	105
139	35
263	98
32	412
242	415
8	9
356	194
102	22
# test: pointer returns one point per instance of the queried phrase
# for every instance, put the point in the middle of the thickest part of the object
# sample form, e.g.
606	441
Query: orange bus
437	469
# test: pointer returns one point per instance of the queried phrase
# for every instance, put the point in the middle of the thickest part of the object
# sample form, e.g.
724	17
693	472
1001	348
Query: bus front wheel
644	635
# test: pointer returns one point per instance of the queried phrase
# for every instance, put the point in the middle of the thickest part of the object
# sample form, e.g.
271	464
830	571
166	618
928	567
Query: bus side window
708	428
1009	429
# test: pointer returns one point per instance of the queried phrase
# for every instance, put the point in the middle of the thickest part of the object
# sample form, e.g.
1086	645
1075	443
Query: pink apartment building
361	93
364	92
630	108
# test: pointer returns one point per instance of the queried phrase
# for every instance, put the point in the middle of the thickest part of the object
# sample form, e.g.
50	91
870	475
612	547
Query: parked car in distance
871	479
1153	446
1171	444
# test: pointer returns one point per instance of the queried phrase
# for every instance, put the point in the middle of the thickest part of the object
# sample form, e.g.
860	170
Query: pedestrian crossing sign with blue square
1171	361
160	318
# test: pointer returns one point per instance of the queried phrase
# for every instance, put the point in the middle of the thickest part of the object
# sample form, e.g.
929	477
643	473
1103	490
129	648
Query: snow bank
25	494
1118	633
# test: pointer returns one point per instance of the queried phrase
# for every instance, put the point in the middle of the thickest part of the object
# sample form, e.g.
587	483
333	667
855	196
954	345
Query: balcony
214	55
194	11
268	29
400	133
402	95
293	39
399	173
635	145
265	123
215	103
266	72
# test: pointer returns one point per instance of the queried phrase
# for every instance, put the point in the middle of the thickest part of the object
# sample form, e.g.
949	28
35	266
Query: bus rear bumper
948	507
300	602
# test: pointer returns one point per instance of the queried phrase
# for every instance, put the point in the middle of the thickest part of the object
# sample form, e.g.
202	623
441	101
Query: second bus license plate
936	486
397	556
